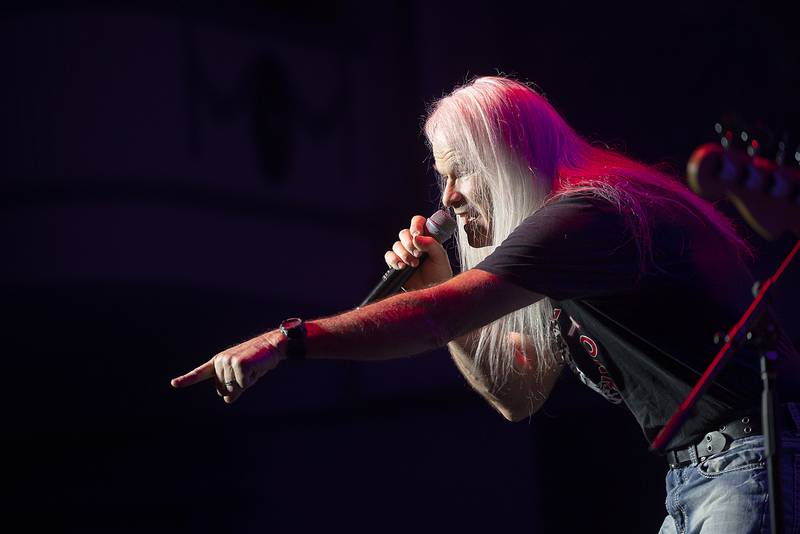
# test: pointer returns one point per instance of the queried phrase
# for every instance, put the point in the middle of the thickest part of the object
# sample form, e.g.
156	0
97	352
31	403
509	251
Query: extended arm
416	321
402	325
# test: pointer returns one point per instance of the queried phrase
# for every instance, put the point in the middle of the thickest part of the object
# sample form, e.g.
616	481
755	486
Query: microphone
440	226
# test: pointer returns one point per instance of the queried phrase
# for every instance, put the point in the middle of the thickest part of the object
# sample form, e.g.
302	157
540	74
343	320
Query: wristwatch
295	331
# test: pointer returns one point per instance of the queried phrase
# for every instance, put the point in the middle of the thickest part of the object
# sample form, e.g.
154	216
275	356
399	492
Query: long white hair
522	154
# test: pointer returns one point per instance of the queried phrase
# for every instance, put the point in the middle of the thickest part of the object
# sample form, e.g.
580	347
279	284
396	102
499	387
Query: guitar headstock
758	171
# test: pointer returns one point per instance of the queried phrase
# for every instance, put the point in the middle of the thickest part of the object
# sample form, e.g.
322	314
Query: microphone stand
756	329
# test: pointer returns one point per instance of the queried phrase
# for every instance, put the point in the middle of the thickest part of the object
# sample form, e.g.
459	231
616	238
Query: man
571	255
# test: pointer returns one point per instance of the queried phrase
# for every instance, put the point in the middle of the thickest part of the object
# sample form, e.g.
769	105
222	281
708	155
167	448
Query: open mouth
475	225
468	216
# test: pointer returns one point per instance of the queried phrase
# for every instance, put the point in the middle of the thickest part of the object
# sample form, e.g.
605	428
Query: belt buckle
672	459
713	443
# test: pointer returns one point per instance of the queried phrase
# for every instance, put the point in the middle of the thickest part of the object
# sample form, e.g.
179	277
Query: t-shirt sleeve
575	247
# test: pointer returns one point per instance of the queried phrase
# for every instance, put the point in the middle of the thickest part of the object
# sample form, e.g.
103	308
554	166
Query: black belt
715	441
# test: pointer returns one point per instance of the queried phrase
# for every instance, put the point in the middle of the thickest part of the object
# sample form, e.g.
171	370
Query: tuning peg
724	134
731	131
720	337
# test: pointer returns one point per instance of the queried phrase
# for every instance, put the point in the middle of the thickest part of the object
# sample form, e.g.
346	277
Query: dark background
177	179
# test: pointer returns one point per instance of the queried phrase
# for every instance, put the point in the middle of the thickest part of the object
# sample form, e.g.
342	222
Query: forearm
416	321
401	325
398	326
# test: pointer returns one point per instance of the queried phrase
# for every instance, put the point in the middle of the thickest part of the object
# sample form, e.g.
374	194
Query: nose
451	196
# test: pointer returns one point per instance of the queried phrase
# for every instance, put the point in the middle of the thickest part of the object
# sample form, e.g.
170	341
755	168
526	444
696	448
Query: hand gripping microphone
440	226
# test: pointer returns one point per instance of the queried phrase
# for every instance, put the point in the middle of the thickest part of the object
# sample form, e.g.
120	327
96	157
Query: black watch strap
295	331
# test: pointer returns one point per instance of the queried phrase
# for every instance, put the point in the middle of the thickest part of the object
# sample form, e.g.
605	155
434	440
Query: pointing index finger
204	372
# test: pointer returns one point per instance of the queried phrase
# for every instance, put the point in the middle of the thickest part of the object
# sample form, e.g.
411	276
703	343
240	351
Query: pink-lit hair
522	154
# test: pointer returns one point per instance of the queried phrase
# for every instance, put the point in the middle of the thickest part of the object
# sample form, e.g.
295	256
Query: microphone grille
441	226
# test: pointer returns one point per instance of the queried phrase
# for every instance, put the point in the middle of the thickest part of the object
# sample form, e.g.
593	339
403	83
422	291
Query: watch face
295	331
294	322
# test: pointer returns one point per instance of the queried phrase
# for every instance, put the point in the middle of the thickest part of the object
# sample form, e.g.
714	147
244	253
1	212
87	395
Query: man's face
459	194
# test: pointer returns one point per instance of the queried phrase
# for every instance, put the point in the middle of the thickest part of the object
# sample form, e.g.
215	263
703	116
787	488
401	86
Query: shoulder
578	205
570	218
576	245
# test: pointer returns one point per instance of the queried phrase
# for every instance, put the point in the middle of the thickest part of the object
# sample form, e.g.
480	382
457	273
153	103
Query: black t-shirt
642	336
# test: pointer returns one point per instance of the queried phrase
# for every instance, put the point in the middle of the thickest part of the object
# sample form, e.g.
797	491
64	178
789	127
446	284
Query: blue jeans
727	492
